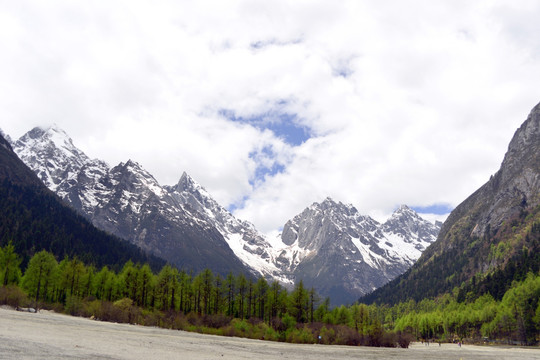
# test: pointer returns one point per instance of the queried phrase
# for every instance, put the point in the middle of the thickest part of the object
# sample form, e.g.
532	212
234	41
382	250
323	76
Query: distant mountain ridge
492	228
184	225
318	239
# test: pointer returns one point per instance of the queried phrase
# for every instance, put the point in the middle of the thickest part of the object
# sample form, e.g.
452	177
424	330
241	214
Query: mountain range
330	246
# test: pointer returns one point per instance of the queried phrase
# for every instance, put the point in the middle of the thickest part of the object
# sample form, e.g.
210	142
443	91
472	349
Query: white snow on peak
400	240
249	245
372	259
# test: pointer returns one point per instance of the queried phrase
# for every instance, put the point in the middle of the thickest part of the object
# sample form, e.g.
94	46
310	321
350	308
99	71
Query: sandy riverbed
47	335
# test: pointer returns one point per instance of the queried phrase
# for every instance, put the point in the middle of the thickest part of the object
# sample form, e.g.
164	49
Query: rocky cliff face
345	254
248	244
486	230
513	189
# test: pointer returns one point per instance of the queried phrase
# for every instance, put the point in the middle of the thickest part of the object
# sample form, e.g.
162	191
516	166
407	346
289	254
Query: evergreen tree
10	272
145	286
299	302
261	289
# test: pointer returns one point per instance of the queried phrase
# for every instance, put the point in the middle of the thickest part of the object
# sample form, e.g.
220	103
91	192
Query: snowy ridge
250	246
360	253
52	155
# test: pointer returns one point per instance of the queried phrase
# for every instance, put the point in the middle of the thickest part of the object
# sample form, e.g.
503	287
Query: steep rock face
514	188
470	241
250	246
344	254
126	201
517	184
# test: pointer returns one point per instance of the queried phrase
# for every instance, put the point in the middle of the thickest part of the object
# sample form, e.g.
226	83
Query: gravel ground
48	335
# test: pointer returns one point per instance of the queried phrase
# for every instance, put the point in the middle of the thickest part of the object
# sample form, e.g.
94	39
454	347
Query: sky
274	105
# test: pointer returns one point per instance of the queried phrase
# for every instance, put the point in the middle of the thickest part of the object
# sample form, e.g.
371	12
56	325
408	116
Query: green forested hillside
35	220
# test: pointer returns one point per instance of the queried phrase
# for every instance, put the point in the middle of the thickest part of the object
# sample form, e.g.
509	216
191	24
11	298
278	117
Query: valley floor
47	335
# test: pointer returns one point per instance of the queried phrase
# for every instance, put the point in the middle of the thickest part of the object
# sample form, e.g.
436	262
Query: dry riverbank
47	335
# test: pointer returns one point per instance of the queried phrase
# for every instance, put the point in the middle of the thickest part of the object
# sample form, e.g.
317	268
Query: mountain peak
50	138
186	182
405	211
325	204
131	164
403	208
53	133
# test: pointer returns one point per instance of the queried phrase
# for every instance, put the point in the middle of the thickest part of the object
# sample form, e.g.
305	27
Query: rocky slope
248	244
487	230
345	254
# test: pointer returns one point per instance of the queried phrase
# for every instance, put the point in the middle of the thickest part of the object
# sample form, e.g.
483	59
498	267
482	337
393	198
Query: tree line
238	305
515	319
235	305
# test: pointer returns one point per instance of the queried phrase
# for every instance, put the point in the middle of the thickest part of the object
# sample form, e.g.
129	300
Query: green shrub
13	295
241	327
300	336
288	321
270	334
74	306
112	313
92	308
328	336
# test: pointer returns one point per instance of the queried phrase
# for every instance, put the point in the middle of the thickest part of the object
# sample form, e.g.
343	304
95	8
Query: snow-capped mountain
127	201
330	246
345	254
248	244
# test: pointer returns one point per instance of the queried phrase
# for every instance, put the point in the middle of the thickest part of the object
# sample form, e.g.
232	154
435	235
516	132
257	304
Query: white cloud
407	101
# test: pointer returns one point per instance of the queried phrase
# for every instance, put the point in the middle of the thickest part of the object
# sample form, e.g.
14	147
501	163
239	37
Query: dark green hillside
490	239
34	219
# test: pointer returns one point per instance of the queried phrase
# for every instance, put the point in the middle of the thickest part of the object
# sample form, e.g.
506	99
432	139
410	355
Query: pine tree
10	271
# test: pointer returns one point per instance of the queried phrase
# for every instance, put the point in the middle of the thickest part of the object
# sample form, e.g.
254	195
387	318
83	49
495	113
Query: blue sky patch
438	209
238	205
283	125
267	165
